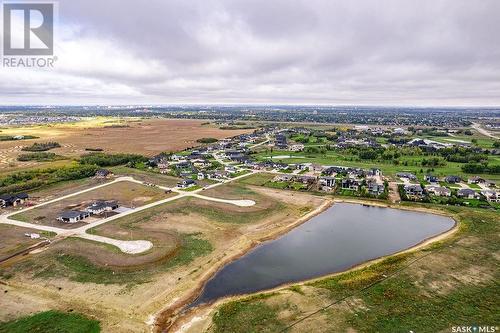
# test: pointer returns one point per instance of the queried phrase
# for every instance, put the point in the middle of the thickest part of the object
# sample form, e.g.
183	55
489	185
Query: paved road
135	246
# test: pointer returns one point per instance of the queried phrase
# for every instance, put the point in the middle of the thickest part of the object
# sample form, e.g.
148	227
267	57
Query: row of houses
328	183
415	191
96	208
451	179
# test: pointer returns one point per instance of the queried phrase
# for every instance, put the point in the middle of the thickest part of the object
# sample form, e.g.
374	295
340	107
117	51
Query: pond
343	236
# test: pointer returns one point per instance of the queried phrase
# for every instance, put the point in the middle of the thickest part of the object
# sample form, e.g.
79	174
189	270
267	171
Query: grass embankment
223	212
51	322
80	269
449	283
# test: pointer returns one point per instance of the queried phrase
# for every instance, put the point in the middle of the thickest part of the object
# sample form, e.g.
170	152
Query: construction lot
192	235
127	194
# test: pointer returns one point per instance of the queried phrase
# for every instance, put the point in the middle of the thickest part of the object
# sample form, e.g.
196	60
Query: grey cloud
300	51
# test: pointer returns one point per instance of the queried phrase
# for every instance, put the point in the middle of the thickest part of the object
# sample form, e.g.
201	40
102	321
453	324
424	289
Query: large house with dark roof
99	207
72	216
7	200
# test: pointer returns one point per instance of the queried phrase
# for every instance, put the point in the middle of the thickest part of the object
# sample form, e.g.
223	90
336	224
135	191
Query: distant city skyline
280	52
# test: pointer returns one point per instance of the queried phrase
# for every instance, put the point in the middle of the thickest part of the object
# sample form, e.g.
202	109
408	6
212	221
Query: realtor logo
28	29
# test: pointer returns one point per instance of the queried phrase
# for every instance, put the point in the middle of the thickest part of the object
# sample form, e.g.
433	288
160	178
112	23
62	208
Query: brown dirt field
127	194
161	288
12	239
146	137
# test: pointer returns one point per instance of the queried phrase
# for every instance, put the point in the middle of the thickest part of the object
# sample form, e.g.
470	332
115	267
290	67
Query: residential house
186	183
283	178
407	175
158	159
280	141
452	179
218	175
414	190
491	195
467	193
7	200
476	180
431	179
103	173
350	184
439	191
72	216
99	207
201	163
230	169
305	179
374	172
375	187
302	166
327	183
316	167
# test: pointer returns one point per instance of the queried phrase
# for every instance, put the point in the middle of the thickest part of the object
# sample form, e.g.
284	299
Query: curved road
136	246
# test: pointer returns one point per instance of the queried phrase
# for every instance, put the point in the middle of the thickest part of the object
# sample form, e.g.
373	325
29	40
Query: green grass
247	316
80	269
257	179
192	247
395	299
51	322
225	216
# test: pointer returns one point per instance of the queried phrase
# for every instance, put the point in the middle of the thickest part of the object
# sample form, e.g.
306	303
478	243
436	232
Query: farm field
113	135
191	238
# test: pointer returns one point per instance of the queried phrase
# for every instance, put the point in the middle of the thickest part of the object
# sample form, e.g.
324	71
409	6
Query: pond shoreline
165	319
184	320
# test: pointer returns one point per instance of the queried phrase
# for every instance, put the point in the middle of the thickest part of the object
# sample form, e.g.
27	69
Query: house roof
466	191
69	214
97	205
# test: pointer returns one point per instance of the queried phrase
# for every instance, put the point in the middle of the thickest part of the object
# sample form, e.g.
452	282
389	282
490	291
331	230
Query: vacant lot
146	137
192	238
127	194
13	240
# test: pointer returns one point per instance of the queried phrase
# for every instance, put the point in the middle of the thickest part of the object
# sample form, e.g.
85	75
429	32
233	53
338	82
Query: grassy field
450	283
51	322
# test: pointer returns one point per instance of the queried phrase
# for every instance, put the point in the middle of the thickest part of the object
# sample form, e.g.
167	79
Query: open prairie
113	135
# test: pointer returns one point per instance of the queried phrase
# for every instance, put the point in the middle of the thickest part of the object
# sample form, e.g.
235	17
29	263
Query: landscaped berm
52	321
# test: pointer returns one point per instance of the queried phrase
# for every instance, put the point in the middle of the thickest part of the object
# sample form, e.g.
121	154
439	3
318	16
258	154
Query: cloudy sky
421	52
